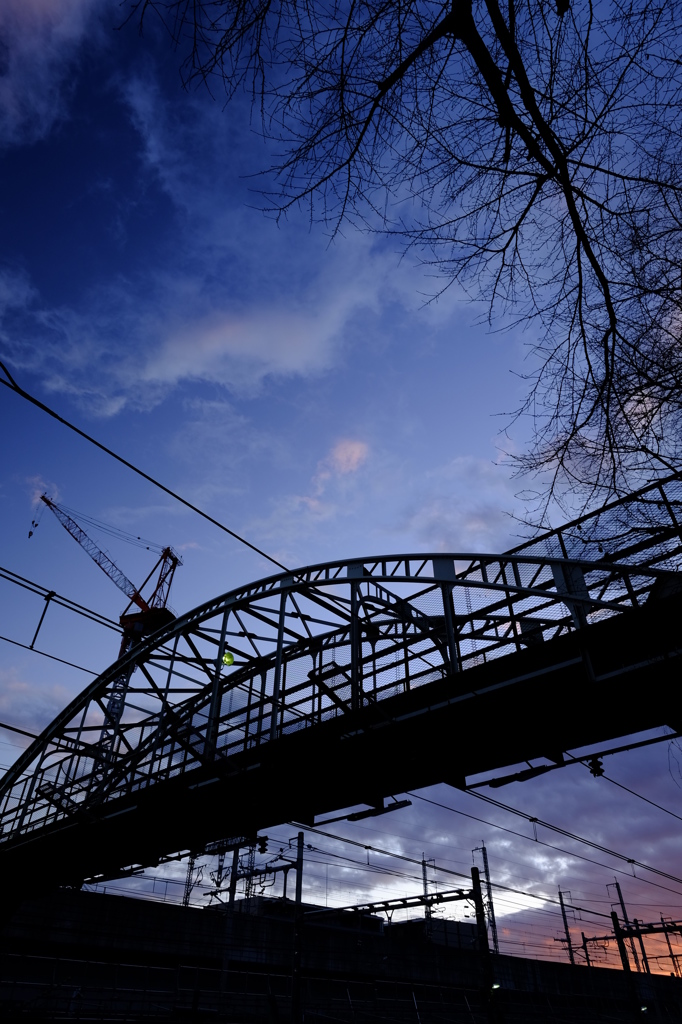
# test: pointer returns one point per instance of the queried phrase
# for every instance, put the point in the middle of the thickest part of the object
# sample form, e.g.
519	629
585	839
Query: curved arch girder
308	647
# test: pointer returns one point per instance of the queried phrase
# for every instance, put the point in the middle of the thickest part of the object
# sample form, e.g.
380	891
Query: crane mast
151	615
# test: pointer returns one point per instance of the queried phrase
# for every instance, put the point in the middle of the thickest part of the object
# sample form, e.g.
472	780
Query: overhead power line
44	654
448	871
540	842
58	599
13	386
576	838
640	797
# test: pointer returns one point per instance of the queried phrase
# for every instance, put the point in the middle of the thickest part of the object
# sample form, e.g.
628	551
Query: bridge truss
328	647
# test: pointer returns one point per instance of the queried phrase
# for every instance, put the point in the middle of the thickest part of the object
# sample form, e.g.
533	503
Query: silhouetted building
84	955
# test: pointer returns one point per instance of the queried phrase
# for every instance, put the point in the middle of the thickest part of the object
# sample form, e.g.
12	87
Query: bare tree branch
532	154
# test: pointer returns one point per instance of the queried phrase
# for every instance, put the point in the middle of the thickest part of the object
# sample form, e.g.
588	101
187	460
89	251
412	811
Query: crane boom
151	616
98	556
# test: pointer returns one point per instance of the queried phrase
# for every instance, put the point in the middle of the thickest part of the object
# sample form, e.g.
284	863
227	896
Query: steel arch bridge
346	682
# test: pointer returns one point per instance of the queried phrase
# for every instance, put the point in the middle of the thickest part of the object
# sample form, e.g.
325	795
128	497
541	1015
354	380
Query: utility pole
234	873
621	942
586	951
425	882
299	868
569	944
189	879
626	922
489	892
296	1014
645	960
480	911
673	958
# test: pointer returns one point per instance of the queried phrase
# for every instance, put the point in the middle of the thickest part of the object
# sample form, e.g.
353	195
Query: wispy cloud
40	39
239	350
233	301
27	706
132	343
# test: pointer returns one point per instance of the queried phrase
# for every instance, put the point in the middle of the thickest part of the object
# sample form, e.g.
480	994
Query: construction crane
153	613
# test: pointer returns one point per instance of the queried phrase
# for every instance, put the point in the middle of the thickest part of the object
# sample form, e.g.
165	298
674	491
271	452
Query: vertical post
234	872
189	879
645	960
296	1014
216	694
489	890
673	958
296	1009
450	628
480	912
299	868
586	950
444	572
626	922
355	682
48	597
278	664
569	945
621	942
425	882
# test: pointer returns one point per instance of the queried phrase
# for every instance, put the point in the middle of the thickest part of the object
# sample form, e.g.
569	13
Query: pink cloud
347	456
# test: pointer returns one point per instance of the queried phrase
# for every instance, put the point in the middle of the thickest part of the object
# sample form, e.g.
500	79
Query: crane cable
13	386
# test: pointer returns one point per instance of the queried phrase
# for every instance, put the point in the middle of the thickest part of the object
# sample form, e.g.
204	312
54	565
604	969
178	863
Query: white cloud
239	351
39	42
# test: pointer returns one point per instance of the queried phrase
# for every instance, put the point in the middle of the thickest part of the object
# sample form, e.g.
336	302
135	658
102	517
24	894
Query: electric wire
53	657
63	602
13	386
640	797
541	842
460	874
575	837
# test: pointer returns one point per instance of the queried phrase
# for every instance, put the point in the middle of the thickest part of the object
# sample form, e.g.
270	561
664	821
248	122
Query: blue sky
301	389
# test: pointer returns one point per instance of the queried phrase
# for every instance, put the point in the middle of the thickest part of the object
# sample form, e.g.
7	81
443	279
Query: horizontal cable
13	386
53	657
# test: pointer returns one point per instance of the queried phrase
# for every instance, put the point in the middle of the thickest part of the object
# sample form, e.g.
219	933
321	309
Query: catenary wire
53	657
450	871
63	602
640	797
576	838
541	842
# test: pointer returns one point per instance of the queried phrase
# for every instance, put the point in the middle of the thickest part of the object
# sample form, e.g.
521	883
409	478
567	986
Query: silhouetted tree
532	150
